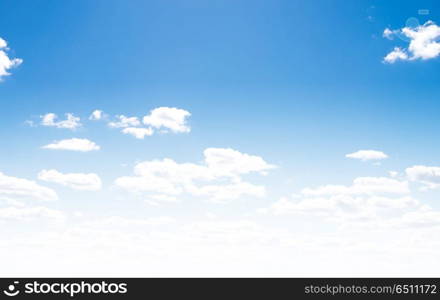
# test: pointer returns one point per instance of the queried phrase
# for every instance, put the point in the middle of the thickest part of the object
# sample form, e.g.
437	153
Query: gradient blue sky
299	83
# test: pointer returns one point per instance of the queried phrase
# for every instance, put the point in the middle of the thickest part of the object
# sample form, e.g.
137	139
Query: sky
219	138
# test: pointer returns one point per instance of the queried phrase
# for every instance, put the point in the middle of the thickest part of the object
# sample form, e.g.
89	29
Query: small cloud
395	55
124	122
71	121
96	115
139	133
388	33
75	144
169	118
365	155
393	174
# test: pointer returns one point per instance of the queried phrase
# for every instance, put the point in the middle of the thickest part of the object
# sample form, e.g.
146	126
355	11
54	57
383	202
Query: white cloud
388	33
75	144
124	122
96	115
23	188
6	63
368	199
429	176
361	186
396	54
423	217
424	43
341	207
218	178
139	133
71	121
170	118
31	213
365	155
227	192
230	162
78	181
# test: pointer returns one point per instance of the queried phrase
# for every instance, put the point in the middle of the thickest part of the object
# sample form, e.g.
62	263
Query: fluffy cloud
71	121
22	188
429	176
365	155
423	43
75	144
396	54
96	115
78	181
6	63
139	133
161	118
170	118
218	178
124	122
367	199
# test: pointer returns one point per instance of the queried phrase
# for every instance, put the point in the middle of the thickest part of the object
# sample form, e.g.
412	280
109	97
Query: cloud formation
13	187
429	176
71	122
218	178
365	155
74	144
77	181
139	133
423	43
6	63
96	115
124	122
368	200
168	118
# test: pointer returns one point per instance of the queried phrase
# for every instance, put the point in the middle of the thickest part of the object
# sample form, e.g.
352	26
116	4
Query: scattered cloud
218	178
6	63
71	121
77	181
124	122
429	176
423	43
96	115
388	33
139	133
365	155
168	118
74	144
24	189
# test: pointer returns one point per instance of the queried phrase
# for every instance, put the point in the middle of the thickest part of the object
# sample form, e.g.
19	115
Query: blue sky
299	84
